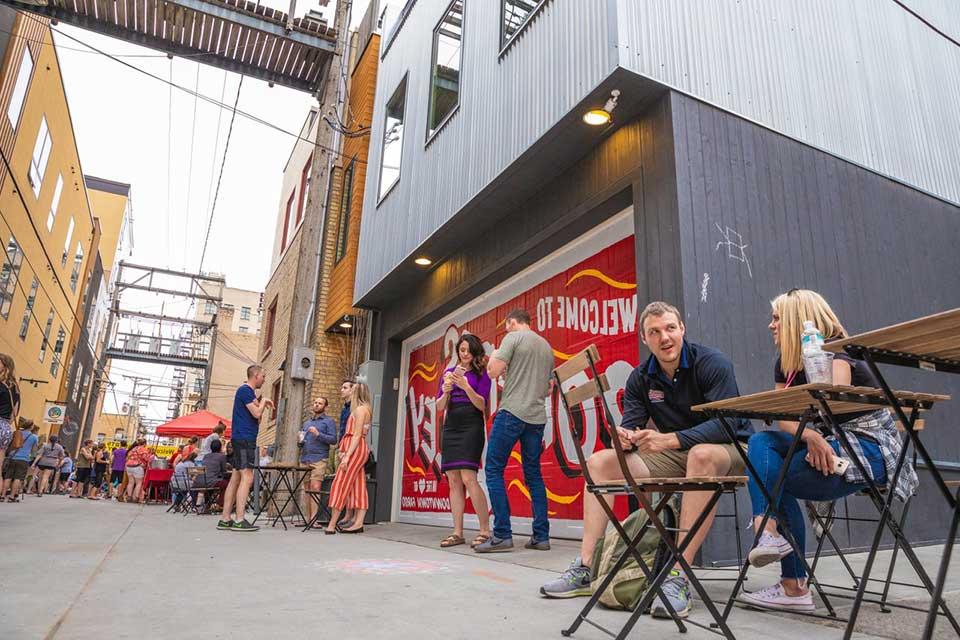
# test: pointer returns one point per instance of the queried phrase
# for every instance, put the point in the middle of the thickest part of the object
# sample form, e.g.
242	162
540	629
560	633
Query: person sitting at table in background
316	436
118	462
214	471
84	465
216	435
19	462
349	488
810	476
463	396
677	376
65	470
138	461
101	460
180	480
248	410
48	461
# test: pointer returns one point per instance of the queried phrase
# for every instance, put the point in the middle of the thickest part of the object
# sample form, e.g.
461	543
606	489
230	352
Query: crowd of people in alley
662	435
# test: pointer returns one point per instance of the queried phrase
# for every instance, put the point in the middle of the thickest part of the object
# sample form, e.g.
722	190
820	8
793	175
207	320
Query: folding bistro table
825	405
931	343
281	483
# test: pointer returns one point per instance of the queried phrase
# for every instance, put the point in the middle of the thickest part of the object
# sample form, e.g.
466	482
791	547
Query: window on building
304	187
41	154
271	317
84	385
28	312
57	350
275	396
198	385
515	14
392	151
19	95
445	68
66	244
245	313
9	276
209	308
77	263
244	329
77	379
286	222
46	336
343	224
52	215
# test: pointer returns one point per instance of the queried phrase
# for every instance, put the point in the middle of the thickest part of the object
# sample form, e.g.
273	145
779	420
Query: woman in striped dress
349	490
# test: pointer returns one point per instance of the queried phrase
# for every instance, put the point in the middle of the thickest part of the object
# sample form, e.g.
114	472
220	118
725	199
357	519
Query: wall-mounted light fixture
423	262
598	117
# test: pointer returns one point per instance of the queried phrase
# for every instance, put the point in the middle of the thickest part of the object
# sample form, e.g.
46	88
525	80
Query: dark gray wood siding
759	214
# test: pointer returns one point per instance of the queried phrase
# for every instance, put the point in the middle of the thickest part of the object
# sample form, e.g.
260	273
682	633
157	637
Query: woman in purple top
118	463
463	396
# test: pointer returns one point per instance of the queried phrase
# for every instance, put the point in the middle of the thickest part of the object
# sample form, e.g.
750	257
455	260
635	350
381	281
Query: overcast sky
135	129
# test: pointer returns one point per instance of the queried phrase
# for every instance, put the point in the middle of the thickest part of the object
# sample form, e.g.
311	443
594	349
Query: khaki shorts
318	470
673	464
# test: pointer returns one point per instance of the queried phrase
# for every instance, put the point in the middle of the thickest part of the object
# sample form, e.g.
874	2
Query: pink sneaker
774	597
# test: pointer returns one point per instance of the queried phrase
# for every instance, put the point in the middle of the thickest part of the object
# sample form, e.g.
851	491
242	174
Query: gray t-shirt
529	361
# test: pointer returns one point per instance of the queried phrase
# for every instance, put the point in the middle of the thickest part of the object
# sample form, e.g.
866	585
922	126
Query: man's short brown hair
520	315
658	309
253	370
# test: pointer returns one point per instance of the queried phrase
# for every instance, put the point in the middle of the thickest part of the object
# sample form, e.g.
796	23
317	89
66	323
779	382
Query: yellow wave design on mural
561	355
425	367
599	275
417	470
553	497
421	374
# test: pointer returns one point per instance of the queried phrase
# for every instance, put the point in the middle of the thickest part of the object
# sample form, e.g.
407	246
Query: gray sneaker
495	545
537	545
573	582
676	589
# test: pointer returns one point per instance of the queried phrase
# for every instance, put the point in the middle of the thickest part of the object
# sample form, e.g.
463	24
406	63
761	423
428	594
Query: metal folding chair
593	390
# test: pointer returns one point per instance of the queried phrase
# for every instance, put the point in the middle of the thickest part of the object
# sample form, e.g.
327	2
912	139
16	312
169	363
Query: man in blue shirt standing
19	461
247	411
682	443
316	436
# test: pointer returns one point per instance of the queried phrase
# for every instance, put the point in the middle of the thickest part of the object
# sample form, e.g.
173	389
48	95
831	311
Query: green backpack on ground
630	584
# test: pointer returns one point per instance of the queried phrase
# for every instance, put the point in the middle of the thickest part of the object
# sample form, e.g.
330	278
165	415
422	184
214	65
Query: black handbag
370	466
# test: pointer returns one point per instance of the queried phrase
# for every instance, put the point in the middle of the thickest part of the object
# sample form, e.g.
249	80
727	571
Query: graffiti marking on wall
736	247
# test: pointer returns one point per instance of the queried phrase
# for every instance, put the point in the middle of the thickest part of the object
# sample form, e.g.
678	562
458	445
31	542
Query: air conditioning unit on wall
302	365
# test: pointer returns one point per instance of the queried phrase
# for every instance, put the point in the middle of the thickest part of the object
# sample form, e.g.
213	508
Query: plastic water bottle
812	340
817	363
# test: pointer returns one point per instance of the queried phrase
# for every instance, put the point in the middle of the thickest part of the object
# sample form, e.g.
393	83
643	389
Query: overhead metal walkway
236	35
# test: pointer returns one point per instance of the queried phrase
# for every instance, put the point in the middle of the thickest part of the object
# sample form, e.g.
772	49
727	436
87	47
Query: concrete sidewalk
79	569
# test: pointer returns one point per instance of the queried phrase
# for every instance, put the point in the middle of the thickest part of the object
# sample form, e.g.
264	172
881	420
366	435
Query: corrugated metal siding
505	107
863	79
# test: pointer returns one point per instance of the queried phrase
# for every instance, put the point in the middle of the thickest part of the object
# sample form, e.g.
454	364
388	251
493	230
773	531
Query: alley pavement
83	569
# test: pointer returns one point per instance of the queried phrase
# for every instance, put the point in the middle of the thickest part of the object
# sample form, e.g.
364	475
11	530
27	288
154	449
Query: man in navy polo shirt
679	443
247	411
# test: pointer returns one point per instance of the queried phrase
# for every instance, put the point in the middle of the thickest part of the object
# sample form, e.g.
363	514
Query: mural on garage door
592	301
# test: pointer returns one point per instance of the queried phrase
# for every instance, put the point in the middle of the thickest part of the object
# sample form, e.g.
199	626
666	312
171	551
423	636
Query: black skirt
464	433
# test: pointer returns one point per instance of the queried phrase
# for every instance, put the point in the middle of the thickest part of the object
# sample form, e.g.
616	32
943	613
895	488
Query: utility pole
135	399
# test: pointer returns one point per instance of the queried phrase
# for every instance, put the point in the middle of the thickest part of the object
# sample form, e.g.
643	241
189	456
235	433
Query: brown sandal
452	541
479	540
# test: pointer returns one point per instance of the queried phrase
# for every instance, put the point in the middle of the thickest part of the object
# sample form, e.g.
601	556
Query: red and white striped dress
349	490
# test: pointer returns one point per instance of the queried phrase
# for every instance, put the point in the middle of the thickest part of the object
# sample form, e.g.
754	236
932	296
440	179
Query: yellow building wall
26	221
110	209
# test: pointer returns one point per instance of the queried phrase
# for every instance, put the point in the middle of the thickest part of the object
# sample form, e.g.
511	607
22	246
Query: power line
169	145
223	162
193	131
929	24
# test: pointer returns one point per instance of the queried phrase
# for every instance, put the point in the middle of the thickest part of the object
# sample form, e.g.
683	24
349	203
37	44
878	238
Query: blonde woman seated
872	434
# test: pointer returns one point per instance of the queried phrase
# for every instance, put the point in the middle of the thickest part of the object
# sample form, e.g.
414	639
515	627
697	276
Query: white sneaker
770	548
774	597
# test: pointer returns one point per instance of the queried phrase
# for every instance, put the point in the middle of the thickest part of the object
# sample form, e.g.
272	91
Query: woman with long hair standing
810	476
463	396
349	490
9	403
101	458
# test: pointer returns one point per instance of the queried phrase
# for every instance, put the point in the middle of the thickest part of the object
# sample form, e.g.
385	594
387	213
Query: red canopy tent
200	424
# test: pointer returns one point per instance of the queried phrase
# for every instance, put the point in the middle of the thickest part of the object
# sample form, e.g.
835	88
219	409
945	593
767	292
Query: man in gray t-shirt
525	360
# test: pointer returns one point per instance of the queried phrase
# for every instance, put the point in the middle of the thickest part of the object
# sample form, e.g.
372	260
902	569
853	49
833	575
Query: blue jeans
507	429
767	451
